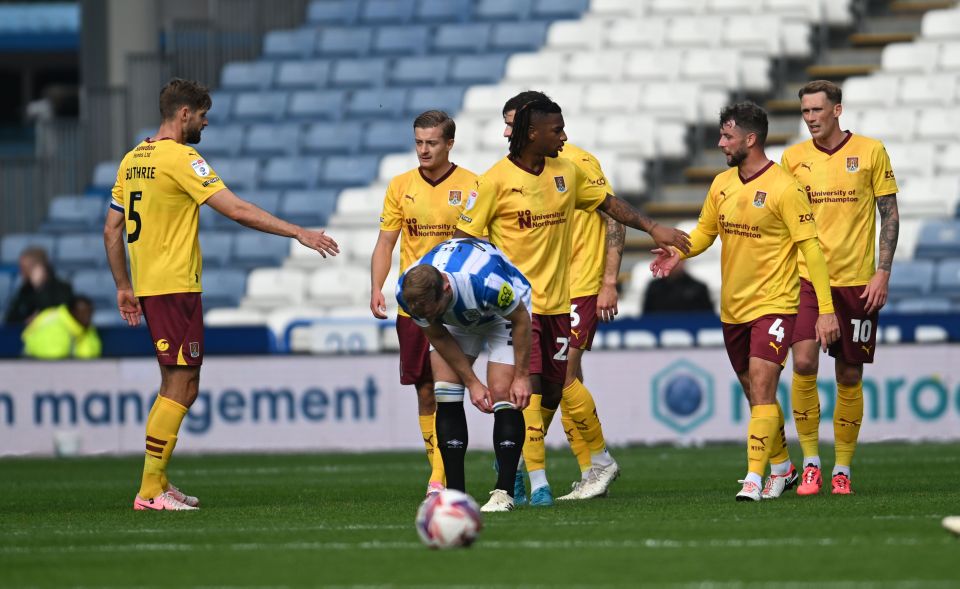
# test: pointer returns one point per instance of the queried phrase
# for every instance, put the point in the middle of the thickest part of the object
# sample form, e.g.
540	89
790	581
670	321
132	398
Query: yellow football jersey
424	211
759	220
843	185
160	187
529	216
589	230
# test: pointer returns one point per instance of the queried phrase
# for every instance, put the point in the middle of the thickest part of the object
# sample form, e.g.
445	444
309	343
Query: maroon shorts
858	329
414	352
176	326
766	337
583	322
548	351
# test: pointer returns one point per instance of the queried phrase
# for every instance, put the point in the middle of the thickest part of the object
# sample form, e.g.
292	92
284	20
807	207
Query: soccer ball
449	519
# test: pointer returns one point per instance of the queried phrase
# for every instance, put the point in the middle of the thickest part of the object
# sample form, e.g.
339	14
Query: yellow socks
534	451
429	432
163	424
577	444
846	421
779	454
805	400
579	404
761	436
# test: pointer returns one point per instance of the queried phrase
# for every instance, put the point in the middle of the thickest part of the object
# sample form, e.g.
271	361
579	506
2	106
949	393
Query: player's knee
805	364
849	374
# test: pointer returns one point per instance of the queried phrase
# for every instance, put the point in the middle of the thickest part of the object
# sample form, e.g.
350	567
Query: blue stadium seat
477	69
253	248
387	11
419	71
332	138
513	36
330	12
247	75
260	106
556	9
379	103
287	44
321	104
291	172
217	246
104	177
448	99
915	305
75	251
939	239
350	171
352	73
13	244
268	200
444	10
98	285
344	41
237	173
219	140
75	213
946	281
310	73
503	9
462	38
222	107
272	139
388	136
6	290
911	278
310	208
108	317
401	40
223	287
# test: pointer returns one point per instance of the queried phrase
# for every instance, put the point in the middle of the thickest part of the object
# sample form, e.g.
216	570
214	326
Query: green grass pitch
347	521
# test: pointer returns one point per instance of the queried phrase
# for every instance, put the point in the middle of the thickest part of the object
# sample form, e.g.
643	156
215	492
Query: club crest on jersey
759	199
194	349
561	183
200	167
471	315
853	164
454	198
471	200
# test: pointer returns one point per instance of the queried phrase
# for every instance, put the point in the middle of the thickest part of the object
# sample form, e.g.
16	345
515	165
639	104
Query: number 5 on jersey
133	215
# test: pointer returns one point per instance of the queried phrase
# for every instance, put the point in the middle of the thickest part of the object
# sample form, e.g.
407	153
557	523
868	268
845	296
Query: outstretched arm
876	290
663	236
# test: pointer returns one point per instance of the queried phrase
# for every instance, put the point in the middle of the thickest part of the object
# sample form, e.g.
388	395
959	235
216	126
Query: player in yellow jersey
526	203
423	205
845	176
763	219
160	186
597	248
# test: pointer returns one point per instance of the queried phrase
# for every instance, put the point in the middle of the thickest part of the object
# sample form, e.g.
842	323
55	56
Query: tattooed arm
663	236
607	298
876	291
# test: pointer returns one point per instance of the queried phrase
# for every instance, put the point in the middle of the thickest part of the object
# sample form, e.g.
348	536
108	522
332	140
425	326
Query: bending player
466	296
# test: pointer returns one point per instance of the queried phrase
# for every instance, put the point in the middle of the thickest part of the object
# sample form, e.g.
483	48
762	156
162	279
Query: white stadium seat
628	134
601	66
394	164
911	159
909	57
950	56
268	288
948	159
228	317
881	125
871	91
939	123
930	89
663	64
535	67
576	35
612	98
811	11
646	32
339	286
929	197
568	96
617	8
741	32
692	31
941	24
677	7
907	238
488	100
671	140
491	137
734	7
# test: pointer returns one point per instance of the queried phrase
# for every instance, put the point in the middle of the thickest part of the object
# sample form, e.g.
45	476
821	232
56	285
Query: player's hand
129	306
666	260
876	291
607	300
520	391
665	237
828	330
319	241
480	397
378	306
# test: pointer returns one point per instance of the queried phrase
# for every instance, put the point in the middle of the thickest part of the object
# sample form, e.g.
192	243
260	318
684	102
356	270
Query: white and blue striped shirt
486	285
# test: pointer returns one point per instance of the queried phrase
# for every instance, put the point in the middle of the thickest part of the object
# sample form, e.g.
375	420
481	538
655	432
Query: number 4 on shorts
776	330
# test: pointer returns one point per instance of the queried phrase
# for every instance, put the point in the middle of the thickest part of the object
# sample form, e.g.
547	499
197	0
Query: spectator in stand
678	292
64	331
40	288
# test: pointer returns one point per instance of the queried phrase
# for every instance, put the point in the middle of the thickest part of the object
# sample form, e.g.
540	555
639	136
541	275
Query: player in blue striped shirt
467	296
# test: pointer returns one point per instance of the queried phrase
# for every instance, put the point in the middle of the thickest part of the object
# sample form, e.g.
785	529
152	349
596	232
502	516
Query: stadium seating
75	251
98	285
939	239
223	287
75	213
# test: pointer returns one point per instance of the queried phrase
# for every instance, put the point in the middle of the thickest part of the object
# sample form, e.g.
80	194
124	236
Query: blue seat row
330	105
939	239
364	72
328	12
392	40
923	277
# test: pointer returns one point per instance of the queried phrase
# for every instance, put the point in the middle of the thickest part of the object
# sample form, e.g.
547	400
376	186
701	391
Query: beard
735	159
193	135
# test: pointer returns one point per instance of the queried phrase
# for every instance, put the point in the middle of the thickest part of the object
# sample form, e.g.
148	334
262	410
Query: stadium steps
918	6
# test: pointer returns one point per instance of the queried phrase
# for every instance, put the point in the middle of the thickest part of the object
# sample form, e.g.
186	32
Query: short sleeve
785	163
391	218
884	183
707	222
497	294
196	177
480	208
117	201
590	166
590	195
796	214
